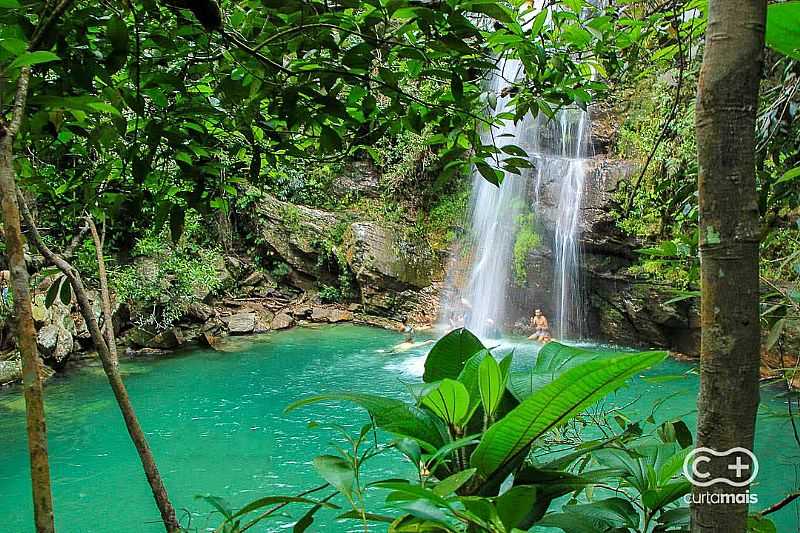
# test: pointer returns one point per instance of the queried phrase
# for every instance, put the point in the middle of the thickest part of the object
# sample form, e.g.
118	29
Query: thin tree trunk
26	331
727	101
105	294
111	368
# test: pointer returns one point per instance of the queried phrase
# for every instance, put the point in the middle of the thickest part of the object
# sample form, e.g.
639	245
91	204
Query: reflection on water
216	424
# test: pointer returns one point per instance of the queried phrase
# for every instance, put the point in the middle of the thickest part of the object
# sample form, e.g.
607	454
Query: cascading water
477	296
560	159
479	302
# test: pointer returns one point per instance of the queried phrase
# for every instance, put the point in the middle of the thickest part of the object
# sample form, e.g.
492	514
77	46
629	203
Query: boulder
55	344
293	233
199	311
330	314
282	321
146	352
254	279
167	340
628	312
240	323
378	322
359	178
10	370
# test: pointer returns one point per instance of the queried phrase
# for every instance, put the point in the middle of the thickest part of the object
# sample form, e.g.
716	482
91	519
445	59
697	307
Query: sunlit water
216	424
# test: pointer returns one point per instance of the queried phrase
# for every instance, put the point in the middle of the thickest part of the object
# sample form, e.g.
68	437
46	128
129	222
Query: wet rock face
359	178
55	345
293	233
631	313
387	264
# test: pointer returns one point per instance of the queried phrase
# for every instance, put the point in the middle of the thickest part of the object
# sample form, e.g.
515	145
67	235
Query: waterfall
561	160
480	285
478	300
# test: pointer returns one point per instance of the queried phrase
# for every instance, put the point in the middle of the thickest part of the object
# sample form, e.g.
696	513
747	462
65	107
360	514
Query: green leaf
660	497
449	355
469	378
274	500
13	45
454	482
394	416
329	140
759	524
783	28
789	175
449	401
554	405
52	292
424	510
65	294
410	448
217	503
307	519
514	505
492	9
775	333
492	175
615	514
9	4
338	472
370	517
491	384
411	491
538	23
34	58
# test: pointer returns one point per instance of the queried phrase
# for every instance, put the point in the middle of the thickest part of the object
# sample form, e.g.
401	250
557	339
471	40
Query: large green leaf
491	384
783	28
615	514
338	472
449	401
469	378
392	415
551	361
554	405
448	356
34	58
513	505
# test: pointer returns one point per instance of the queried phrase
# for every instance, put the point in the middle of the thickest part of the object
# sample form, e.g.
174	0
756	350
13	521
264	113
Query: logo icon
742	472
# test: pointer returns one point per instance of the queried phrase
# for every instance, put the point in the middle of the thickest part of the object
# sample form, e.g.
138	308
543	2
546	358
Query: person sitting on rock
541	328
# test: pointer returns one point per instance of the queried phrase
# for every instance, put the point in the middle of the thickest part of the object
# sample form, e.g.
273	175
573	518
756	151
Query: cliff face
616	307
390	272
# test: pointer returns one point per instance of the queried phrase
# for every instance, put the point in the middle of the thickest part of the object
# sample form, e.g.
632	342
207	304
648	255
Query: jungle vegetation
127	121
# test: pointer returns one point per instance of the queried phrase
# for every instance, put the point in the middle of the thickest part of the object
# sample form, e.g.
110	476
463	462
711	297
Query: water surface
216	424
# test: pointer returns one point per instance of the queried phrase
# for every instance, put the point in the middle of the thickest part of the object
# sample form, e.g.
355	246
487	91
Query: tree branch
781	504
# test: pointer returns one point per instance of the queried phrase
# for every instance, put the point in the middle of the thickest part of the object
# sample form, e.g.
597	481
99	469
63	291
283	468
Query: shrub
329	294
165	280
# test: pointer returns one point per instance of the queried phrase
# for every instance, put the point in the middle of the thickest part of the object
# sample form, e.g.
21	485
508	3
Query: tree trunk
26	331
105	294
727	101
111	368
